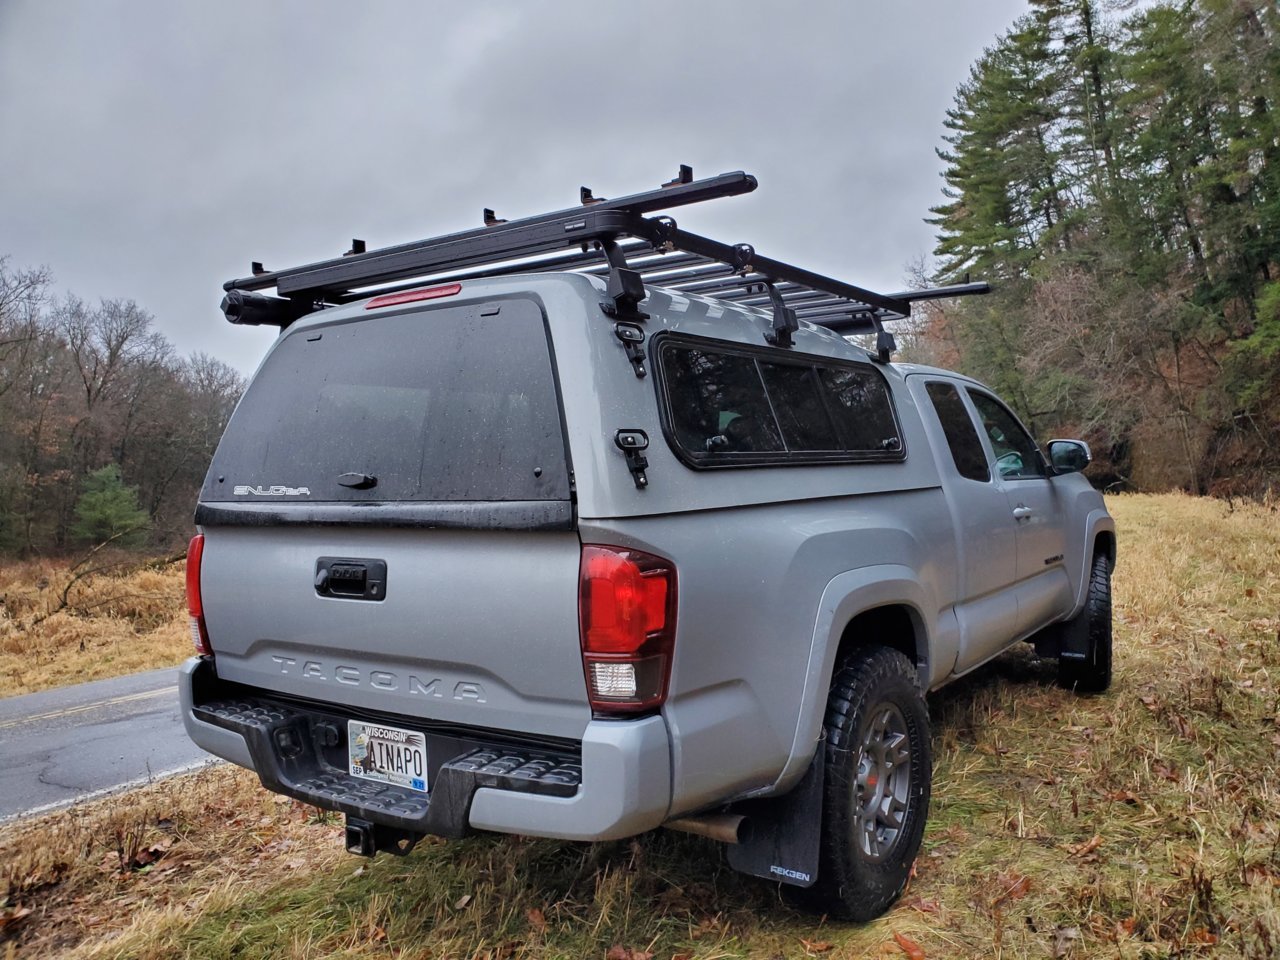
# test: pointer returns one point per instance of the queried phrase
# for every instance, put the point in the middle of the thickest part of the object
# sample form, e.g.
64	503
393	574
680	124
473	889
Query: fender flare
1098	521
845	596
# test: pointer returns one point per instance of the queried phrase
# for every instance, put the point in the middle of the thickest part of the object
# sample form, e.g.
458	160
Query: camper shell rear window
439	404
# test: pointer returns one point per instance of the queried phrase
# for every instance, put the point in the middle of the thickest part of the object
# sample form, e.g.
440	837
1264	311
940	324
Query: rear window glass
961	434
725	406
442	404
722	407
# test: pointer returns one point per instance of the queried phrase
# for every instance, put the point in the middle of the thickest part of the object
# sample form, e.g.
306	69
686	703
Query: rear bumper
622	769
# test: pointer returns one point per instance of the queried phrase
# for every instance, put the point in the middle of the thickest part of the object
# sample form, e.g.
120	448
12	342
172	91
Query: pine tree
108	510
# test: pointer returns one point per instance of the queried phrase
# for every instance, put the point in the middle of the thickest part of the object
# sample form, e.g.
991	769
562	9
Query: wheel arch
899	626
1104	541
883	604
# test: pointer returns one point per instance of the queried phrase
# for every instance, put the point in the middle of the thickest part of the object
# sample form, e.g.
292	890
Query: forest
105	431
1114	170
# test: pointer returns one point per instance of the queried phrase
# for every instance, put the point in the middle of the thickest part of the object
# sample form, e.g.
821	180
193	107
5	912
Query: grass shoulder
61	625
1140	823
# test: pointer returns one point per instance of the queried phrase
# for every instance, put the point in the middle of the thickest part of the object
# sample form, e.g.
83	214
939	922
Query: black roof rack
610	238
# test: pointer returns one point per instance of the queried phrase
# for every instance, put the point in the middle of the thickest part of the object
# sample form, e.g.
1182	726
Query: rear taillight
627	621
195	605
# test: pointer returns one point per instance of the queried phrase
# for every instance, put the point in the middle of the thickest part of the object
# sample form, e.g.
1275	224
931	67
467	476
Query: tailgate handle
351	579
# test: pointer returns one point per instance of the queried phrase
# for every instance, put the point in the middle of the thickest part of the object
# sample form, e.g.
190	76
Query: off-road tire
875	700
1093	673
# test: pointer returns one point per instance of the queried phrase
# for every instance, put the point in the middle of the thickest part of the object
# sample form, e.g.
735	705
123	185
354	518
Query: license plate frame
386	754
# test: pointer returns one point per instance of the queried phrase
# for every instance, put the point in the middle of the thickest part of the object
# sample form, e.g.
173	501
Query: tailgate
474	627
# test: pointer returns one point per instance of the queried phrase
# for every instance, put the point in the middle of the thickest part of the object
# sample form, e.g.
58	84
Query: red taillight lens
412	296
627	620
195	605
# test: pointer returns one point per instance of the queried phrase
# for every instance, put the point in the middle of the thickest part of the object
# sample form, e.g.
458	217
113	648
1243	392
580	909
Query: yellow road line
69	711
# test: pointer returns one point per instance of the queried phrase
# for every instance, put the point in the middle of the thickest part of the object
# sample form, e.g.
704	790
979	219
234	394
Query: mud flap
781	837
1073	638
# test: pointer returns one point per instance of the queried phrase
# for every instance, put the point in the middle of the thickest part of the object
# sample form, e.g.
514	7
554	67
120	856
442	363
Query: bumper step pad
297	751
510	769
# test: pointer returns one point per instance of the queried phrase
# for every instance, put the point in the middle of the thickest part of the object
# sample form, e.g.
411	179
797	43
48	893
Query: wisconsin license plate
387	754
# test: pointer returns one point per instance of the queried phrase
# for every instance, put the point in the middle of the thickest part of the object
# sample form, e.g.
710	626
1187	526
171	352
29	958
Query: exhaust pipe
722	827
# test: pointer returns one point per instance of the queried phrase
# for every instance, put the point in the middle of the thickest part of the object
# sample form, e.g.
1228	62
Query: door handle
1022	512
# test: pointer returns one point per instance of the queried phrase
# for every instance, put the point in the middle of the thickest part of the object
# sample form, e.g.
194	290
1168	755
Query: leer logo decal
242	490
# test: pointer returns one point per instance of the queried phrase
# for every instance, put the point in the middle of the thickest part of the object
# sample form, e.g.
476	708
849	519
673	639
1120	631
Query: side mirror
1069	456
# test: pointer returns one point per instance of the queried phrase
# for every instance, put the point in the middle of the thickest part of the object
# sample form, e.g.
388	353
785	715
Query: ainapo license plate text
387	754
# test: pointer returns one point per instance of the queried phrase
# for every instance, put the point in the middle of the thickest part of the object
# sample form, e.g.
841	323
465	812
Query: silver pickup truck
583	544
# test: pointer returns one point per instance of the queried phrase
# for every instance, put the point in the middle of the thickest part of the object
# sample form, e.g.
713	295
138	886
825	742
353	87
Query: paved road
76	743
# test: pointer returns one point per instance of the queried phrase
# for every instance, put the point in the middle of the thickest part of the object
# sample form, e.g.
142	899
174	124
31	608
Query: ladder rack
613	239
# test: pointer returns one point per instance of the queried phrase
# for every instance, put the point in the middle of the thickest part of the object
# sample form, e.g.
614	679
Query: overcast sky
150	149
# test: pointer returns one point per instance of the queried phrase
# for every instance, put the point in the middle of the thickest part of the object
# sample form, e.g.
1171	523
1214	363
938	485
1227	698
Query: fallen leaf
925	906
1125	928
1181	725
1063	939
1256	873
912	949
537	919
462	902
9	916
815	946
708	925
1015	887
1080	849
619	952
1123	796
1202	935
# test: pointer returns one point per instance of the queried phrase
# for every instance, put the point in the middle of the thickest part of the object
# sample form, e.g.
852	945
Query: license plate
387	754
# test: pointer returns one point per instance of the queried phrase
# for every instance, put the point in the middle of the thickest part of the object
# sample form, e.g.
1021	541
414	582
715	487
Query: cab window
1016	453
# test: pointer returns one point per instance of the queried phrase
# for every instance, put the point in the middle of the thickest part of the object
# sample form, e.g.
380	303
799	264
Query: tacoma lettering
435	687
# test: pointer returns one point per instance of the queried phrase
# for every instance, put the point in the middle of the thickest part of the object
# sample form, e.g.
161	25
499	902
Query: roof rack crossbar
773	269
657	264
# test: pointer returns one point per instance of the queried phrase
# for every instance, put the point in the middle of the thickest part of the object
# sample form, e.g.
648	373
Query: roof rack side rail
600	237
546	232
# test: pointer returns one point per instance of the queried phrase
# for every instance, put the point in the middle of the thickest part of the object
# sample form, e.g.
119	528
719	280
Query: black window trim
767	458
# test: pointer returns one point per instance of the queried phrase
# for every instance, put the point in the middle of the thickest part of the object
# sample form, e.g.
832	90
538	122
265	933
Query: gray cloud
152	149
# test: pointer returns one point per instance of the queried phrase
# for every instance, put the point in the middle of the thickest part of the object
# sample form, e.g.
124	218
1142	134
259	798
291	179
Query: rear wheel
1092	672
879	765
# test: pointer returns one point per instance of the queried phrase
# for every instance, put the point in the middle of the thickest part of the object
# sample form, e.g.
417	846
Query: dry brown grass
1144	823
119	621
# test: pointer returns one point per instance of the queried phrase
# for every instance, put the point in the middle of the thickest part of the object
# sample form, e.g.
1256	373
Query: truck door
1043	586
985	604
